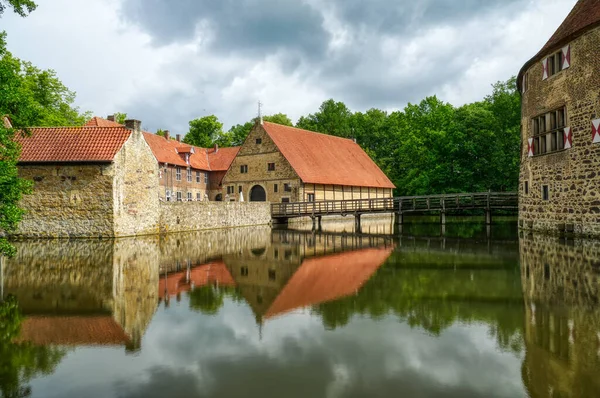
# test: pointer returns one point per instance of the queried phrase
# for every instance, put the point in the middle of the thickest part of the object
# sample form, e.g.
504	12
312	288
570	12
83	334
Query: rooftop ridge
309	131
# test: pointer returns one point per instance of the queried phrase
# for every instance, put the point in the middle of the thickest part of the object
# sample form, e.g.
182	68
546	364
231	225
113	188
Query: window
239	189
189	196
206	178
244	271
525	82
178	174
545	192
230	189
168	196
160	174
549	132
285	200
526	187
198	196
179	196
198	177
244	169
258	141
311	197
555	63
287	187
275	188
189	175
272	275
271	167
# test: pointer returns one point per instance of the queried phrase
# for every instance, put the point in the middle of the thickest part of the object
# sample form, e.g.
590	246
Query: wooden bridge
438	204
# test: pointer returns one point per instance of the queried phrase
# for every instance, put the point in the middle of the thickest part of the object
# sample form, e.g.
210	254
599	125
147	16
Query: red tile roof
323	279
222	159
72	330
100	122
326	159
171	151
201	275
585	15
72	144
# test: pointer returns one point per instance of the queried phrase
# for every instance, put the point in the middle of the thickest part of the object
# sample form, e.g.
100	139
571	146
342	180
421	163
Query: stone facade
183	217
560	188
93	199
251	168
255	158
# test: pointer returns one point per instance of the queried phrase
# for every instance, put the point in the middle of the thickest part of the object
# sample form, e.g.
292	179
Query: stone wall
194	216
571	174
68	200
136	185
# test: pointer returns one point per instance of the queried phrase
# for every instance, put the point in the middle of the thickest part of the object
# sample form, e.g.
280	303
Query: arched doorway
219	198
258	194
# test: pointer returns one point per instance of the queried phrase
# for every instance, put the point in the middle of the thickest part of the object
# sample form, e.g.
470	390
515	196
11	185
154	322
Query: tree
332	118
238	133
120	117
20	7
20	362
30	97
204	131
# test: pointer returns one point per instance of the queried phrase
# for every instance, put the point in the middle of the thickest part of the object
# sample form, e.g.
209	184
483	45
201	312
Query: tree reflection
21	361
208	299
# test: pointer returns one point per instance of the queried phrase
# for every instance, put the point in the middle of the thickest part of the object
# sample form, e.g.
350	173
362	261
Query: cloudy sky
167	62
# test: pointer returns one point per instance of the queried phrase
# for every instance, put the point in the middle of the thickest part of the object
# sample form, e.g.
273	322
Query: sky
167	62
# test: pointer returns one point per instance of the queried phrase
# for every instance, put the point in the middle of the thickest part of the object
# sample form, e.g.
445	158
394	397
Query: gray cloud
252	27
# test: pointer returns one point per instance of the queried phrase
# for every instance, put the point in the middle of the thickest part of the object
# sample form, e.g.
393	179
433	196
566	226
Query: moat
255	312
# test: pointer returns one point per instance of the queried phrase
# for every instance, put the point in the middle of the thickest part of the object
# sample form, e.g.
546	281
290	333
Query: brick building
189	173
89	181
560	89
284	164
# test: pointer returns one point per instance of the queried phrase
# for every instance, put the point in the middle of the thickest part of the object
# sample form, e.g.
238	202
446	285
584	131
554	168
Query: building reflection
561	283
78	292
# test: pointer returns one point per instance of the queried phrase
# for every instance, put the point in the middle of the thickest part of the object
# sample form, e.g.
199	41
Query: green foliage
30	97
204	131
21	361
120	117
20	7
433	147
161	132
209	299
238	133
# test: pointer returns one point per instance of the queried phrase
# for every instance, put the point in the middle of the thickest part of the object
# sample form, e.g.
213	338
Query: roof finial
260	112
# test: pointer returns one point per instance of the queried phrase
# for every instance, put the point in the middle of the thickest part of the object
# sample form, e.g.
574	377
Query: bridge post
319	222
443	212
357	222
399	215
488	210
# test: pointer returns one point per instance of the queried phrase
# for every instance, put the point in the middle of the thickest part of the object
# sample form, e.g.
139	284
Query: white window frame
198	196
206	178
178	173
179	196
189	175
197	177
189	197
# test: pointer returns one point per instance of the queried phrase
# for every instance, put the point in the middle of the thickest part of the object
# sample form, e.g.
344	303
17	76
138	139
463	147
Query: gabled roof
72	144
325	159
171	151
221	159
585	15
323	279
100	122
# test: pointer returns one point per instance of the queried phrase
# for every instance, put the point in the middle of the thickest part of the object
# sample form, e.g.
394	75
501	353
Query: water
289	313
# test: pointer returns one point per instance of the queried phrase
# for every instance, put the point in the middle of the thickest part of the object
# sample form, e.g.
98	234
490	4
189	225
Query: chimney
134	125
216	148
178	137
354	139
167	137
111	118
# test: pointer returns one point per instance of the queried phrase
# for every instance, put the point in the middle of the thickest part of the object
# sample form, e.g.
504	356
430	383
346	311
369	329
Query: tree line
427	148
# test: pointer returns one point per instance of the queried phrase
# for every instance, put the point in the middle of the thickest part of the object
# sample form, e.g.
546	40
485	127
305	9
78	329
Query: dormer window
187	158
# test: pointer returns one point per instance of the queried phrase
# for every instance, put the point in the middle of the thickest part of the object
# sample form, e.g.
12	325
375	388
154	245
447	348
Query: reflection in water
255	312
561	281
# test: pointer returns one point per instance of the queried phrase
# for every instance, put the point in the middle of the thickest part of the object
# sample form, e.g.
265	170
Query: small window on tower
545	192
271	166
244	169
258	141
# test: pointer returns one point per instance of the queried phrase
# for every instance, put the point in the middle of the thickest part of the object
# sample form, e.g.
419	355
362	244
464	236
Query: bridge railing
463	201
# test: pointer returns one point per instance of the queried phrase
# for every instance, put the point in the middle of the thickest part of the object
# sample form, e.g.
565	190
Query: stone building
560	89
284	164
89	181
